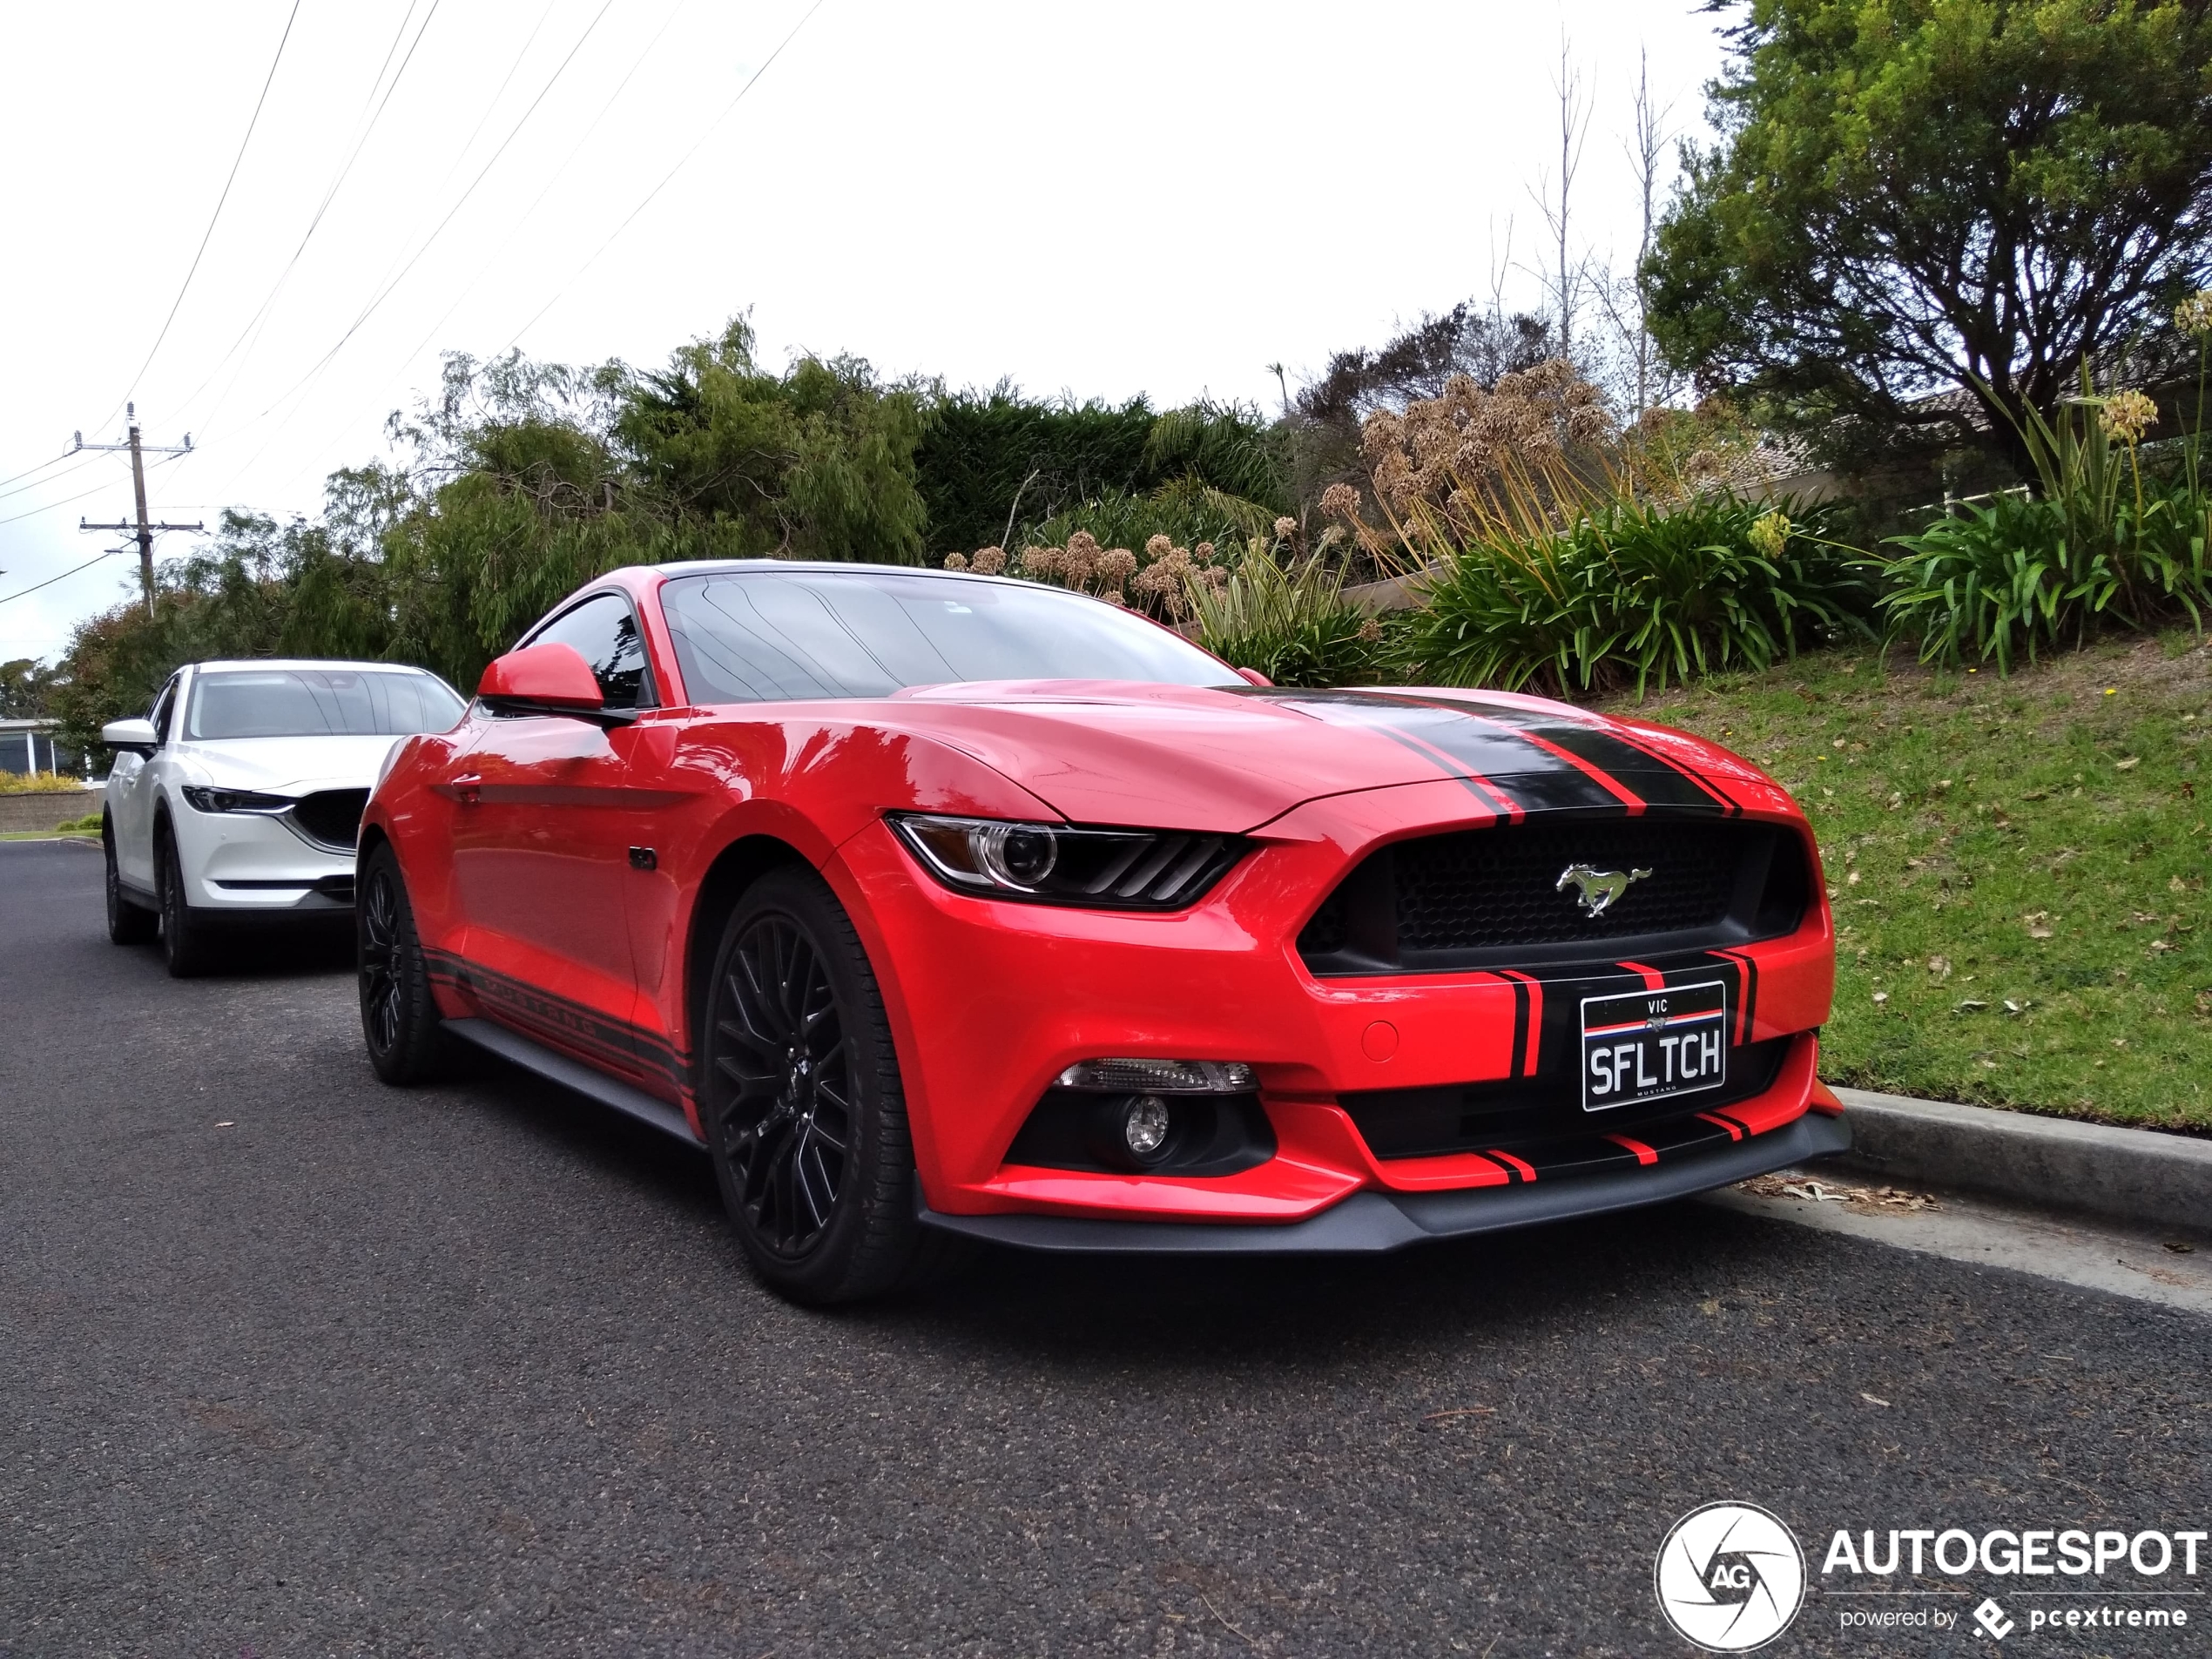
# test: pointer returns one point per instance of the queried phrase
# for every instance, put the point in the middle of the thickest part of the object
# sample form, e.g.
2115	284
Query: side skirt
569	1073
1371	1223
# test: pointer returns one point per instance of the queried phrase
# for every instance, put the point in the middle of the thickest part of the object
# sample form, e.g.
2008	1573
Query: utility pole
144	531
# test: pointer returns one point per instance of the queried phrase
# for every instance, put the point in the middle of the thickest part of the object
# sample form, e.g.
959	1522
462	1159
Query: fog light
1144	1126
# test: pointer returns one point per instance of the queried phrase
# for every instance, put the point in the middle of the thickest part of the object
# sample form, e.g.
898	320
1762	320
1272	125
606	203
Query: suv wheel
186	942
127	923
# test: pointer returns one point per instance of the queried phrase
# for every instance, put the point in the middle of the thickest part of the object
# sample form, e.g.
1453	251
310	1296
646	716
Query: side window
604	631
164	707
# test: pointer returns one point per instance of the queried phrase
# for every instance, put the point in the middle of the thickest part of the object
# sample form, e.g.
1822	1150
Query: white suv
238	800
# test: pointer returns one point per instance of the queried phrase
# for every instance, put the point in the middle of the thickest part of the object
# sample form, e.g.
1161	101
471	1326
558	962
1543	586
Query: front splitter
1371	1223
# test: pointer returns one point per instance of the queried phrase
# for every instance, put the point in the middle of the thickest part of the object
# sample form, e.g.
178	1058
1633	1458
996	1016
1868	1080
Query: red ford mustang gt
939	904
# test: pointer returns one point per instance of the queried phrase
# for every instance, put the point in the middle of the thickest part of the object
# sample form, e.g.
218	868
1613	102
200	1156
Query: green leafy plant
1629	593
1292	624
2002	580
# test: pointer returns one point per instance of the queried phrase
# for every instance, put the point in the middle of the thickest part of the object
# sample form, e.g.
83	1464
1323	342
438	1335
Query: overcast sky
1156	198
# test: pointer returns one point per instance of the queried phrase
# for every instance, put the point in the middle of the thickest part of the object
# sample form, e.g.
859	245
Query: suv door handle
468	790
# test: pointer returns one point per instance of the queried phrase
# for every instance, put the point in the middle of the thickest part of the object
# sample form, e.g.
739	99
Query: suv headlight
206	799
1066	864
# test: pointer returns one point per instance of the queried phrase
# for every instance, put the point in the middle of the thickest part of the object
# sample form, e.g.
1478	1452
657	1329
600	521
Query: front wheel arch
735	870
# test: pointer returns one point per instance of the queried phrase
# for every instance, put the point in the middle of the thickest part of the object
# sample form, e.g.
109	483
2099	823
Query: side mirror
551	679
132	736
1255	677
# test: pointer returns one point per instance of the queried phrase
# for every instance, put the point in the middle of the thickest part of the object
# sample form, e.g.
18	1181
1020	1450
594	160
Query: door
132	787
542	851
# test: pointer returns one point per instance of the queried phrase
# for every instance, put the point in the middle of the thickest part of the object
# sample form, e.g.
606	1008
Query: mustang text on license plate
1641	1046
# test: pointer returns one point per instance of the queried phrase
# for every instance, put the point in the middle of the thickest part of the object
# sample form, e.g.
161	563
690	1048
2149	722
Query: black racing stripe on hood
1658	780
1508	764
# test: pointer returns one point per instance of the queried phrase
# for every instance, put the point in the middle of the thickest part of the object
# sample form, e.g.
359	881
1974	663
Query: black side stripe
620	1044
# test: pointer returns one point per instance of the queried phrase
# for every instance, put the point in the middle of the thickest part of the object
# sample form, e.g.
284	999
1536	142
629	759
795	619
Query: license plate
1642	1046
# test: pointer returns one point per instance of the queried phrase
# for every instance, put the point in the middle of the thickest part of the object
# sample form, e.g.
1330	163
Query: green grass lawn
2017	866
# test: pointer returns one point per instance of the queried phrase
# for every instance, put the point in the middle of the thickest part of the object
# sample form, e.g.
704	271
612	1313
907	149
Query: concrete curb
2133	1175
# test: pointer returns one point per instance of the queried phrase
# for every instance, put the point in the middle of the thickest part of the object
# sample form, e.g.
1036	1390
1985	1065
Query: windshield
317	701
773	636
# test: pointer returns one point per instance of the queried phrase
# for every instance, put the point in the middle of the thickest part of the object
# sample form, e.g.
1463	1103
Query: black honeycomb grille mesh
332	816
1486	887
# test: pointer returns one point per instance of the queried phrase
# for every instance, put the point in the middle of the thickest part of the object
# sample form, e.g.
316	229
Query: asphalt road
292	1363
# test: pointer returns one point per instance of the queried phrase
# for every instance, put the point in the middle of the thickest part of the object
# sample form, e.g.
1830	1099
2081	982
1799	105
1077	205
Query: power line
385	292
329	195
553	179
40	467
209	233
63	576
41	483
65	500
51	505
684	161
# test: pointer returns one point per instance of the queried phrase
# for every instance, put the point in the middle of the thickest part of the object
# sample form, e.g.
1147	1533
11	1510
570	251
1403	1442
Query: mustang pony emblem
1599	888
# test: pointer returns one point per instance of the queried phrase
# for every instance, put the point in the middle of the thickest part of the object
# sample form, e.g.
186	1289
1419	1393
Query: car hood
291	765
1197	757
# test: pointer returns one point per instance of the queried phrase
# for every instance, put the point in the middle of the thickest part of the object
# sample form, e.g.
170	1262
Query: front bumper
241	865
990	1001
1372	1222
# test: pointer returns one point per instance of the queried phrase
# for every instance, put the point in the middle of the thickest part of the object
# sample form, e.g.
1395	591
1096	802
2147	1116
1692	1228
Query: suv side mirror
551	679
132	736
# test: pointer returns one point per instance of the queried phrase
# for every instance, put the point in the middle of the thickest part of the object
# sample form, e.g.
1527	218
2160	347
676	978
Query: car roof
712	567
234	664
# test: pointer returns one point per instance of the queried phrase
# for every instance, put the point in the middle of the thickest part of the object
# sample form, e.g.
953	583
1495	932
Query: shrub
1627	591
2101	544
43	783
1293	624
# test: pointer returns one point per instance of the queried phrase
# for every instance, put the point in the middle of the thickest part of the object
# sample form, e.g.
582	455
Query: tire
400	1018
799	1093
127	923
186	943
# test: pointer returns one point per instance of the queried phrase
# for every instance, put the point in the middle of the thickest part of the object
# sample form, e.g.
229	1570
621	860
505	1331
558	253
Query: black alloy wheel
801	1099
127	923
400	1017
186	945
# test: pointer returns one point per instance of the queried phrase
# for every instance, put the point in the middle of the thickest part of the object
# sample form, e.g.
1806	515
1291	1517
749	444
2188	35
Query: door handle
468	790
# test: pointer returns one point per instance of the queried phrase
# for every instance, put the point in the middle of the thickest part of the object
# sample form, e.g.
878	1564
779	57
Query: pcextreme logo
1729	1578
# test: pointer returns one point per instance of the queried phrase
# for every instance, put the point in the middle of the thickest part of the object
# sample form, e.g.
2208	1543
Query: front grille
1486	897
332	816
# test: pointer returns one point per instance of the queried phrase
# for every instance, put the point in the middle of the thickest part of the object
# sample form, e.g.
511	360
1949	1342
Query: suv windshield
317	701
764	636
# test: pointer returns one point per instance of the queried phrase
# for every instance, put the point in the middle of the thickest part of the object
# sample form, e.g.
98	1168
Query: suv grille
332	816
1484	897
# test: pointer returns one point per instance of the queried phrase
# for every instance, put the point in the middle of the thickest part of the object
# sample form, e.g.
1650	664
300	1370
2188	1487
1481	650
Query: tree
1914	196
23	687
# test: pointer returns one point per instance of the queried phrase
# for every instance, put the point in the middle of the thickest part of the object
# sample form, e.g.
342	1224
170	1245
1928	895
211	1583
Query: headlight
1105	869
205	800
